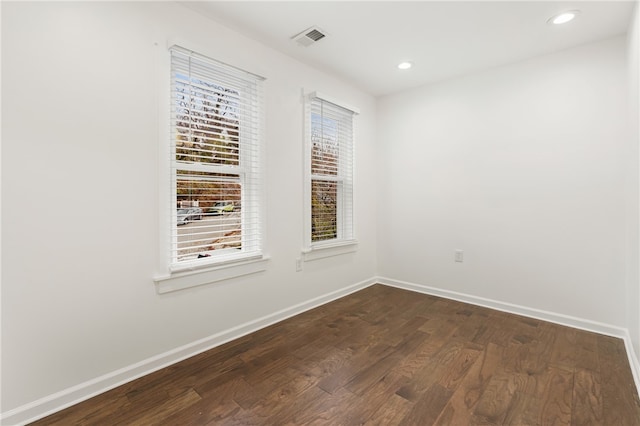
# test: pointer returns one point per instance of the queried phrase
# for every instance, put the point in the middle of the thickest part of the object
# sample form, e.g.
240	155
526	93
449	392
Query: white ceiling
366	40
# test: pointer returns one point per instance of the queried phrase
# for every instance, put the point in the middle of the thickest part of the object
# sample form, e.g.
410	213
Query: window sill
193	278
321	251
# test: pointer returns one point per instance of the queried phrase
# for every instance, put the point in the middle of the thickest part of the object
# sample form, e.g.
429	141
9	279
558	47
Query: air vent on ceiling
309	36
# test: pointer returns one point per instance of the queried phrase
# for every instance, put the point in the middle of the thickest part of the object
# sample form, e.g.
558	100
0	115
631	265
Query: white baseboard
53	403
570	321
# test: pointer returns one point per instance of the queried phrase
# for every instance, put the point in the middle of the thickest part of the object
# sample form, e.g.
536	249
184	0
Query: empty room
320	212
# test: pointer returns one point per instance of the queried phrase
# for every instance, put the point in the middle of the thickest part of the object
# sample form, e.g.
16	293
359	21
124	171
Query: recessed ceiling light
405	65
564	17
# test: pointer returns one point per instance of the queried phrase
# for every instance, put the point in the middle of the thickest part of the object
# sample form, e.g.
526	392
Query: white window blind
215	161
330	177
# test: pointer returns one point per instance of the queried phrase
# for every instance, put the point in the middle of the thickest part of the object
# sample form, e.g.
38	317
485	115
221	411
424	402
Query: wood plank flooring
385	356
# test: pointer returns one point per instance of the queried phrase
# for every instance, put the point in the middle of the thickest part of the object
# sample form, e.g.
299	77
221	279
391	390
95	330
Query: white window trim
322	249
178	278
207	274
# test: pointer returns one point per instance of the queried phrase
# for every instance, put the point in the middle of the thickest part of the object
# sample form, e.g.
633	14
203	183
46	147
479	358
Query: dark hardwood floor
385	356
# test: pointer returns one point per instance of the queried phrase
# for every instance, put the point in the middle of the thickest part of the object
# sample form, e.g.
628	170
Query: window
329	158
215	162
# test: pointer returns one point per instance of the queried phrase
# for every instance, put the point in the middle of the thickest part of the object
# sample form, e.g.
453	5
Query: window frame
176	274
342	243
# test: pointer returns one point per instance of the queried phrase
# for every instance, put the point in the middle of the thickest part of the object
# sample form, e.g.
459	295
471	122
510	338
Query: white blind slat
331	171
215	136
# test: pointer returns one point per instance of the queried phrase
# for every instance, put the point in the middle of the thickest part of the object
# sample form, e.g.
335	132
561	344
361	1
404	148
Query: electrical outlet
298	264
458	256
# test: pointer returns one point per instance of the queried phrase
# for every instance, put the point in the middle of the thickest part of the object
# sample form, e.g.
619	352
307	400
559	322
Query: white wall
81	138
633	295
523	167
